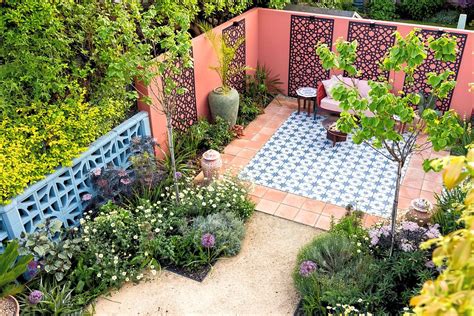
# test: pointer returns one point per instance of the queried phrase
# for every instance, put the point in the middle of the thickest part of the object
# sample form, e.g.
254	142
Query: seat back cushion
331	83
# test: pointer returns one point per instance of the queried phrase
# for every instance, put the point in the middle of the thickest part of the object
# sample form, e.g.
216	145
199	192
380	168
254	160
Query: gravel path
255	282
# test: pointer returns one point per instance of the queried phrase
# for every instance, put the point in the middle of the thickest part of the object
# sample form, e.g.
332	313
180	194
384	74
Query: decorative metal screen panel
433	65
59	194
305	69
373	40
186	110
231	35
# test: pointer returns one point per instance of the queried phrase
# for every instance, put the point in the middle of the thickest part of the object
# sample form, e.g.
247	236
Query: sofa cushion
330	104
333	105
364	88
331	83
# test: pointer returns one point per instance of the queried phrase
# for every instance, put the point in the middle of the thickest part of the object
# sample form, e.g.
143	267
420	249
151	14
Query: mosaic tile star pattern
299	159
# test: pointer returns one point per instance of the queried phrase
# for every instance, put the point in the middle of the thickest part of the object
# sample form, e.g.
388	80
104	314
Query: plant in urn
420	211
211	163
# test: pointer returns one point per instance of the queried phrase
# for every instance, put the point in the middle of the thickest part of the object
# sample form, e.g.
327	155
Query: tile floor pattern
299	159
307	211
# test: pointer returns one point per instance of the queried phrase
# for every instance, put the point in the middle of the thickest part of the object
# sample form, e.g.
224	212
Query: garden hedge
66	69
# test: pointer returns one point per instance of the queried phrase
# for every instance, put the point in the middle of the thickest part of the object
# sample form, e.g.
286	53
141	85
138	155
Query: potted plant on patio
224	100
11	267
379	130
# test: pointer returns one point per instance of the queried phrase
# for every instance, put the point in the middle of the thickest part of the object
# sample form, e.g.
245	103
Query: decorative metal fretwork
305	69
231	35
186	112
433	65
373	40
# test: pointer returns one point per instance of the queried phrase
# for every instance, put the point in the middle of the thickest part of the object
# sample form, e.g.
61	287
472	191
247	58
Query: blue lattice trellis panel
59	194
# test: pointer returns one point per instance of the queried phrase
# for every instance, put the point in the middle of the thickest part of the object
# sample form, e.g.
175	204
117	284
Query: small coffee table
307	95
333	135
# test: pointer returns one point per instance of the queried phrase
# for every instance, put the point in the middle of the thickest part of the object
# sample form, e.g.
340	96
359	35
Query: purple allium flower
87	197
35	297
208	240
126	181
123	173
96	172
307	267
429	264
178	175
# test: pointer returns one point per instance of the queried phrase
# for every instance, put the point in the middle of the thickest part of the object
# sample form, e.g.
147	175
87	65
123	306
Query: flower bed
349	269
121	242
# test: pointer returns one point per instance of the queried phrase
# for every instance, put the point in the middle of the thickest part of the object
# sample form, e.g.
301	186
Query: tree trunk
395	205
169	126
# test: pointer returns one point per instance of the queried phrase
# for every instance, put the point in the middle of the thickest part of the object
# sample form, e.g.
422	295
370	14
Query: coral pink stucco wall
205	79
274	46
267	41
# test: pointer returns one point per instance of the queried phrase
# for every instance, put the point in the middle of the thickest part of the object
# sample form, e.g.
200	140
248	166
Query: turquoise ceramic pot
224	104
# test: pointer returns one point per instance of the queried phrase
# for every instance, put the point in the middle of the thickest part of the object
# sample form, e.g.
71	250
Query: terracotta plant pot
9	306
224	105
420	211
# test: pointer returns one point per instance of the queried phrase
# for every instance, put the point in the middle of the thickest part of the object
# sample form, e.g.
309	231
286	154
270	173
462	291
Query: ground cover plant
350	266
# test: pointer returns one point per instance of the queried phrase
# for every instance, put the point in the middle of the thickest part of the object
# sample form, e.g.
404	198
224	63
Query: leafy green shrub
248	110
382	10
52	247
449	207
262	86
419	9
461	146
340	274
445	17
218	135
397	279
65	69
227	229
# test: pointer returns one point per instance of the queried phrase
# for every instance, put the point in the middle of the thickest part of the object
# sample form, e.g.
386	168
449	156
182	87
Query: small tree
389	111
158	72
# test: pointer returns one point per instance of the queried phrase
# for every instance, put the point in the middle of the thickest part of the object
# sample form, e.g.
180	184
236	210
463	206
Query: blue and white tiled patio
300	176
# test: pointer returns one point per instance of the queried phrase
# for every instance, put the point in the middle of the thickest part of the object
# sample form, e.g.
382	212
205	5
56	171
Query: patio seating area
300	176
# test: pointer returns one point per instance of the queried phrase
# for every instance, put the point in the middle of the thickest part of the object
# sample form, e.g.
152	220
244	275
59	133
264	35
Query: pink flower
87	197
96	172
126	181
102	183
122	173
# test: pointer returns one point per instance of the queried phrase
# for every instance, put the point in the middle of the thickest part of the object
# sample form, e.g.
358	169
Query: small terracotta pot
211	163
17	306
420	211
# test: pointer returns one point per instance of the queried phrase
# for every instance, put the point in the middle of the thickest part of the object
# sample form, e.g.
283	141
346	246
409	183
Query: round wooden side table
307	95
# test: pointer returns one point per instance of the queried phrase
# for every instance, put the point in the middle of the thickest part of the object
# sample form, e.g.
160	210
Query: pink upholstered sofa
324	98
